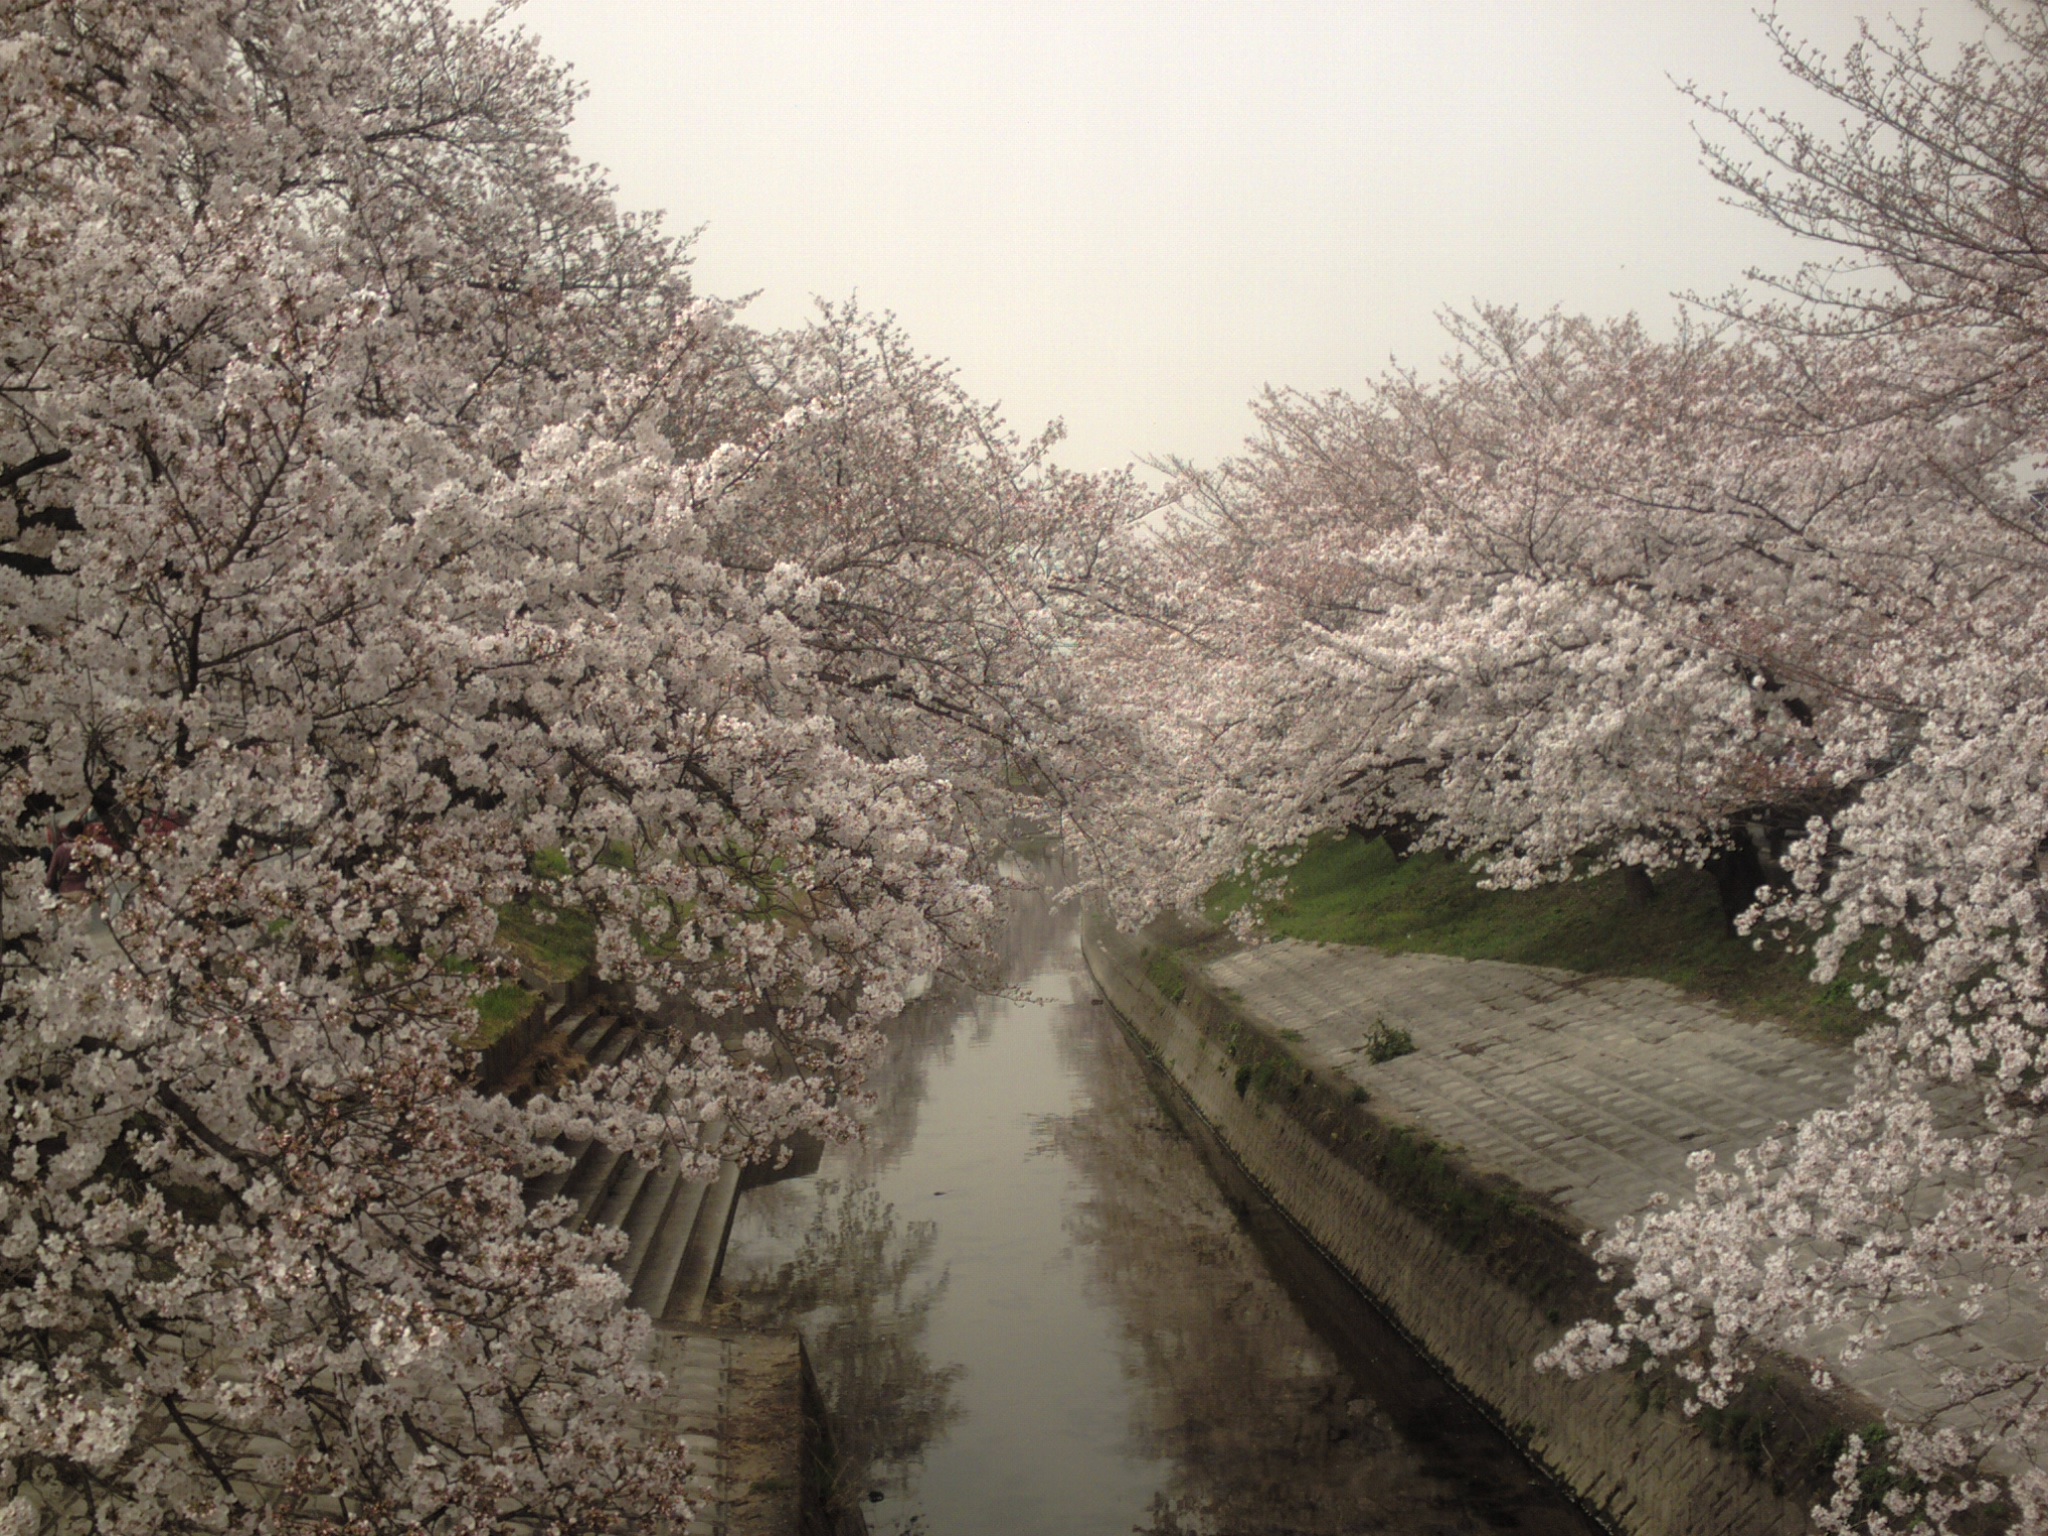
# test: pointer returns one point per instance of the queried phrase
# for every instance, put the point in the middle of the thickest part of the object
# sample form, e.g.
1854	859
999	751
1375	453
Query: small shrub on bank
1383	1042
1166	971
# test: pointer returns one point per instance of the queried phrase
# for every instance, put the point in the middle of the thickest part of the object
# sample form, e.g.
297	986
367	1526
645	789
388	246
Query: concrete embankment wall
1642	1468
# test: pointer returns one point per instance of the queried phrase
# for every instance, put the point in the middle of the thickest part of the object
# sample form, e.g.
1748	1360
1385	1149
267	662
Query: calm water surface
1041	1305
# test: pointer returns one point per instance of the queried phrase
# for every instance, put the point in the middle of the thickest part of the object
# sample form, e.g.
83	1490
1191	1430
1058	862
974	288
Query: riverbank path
1592	1091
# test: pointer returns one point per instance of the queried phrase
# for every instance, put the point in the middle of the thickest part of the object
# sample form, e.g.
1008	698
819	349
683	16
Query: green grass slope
1350	891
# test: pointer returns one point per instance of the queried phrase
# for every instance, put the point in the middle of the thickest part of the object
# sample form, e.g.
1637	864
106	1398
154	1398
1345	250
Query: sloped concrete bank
1479	1275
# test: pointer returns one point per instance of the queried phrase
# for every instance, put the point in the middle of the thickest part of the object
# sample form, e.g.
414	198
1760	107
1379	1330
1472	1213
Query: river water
1041	1303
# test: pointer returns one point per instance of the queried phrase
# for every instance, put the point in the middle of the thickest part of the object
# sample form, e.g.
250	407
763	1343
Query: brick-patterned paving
1590	1090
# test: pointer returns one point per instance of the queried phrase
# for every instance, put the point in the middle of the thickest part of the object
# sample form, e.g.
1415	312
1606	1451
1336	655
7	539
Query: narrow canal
1042	1305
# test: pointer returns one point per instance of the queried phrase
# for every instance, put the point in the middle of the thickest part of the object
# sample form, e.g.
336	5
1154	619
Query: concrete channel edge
1638	1468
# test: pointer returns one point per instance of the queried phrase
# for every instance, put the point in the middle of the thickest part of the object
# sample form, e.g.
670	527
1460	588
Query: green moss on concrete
1168	973
497	1011
1346	890
498	1008
556	943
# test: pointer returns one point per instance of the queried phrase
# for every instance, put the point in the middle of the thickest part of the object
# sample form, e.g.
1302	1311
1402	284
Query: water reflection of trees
861	1288
920	1039
1267	1433
924	1035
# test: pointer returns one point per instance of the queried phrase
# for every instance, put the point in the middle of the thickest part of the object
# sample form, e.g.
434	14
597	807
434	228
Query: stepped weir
736	1399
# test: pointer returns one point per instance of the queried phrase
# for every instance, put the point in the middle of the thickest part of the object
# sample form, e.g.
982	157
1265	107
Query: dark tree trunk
1737	873
1399	835
1637	885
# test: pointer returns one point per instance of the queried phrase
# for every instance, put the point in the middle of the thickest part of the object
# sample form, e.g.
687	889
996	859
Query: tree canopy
1767	594
389	533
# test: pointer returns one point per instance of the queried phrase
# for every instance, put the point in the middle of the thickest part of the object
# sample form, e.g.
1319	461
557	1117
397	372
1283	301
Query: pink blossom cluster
1768	595
388	533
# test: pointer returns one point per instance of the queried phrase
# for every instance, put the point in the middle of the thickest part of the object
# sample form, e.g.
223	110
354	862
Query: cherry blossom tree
382	510
953	567
1771	586
1588	596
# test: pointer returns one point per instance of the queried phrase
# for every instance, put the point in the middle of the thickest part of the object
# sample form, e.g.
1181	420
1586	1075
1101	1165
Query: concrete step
656	1276
736	1401
615	1038
614	1205
579	1025
603	1040
675	1228
591	1177
606	1201
644	1218
694	1410
549	1185
699	1267
726	1396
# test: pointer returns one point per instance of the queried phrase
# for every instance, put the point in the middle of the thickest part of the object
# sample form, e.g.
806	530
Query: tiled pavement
1590	1090
735	1400
694	1410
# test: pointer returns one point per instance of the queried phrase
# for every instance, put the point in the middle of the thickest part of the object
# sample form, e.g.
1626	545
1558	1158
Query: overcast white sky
1134	215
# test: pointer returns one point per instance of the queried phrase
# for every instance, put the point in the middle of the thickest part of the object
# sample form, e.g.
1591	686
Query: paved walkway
735	1401
1591	1090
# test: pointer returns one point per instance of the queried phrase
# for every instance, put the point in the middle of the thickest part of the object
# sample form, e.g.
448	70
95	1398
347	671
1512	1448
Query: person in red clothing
65	879
66	876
